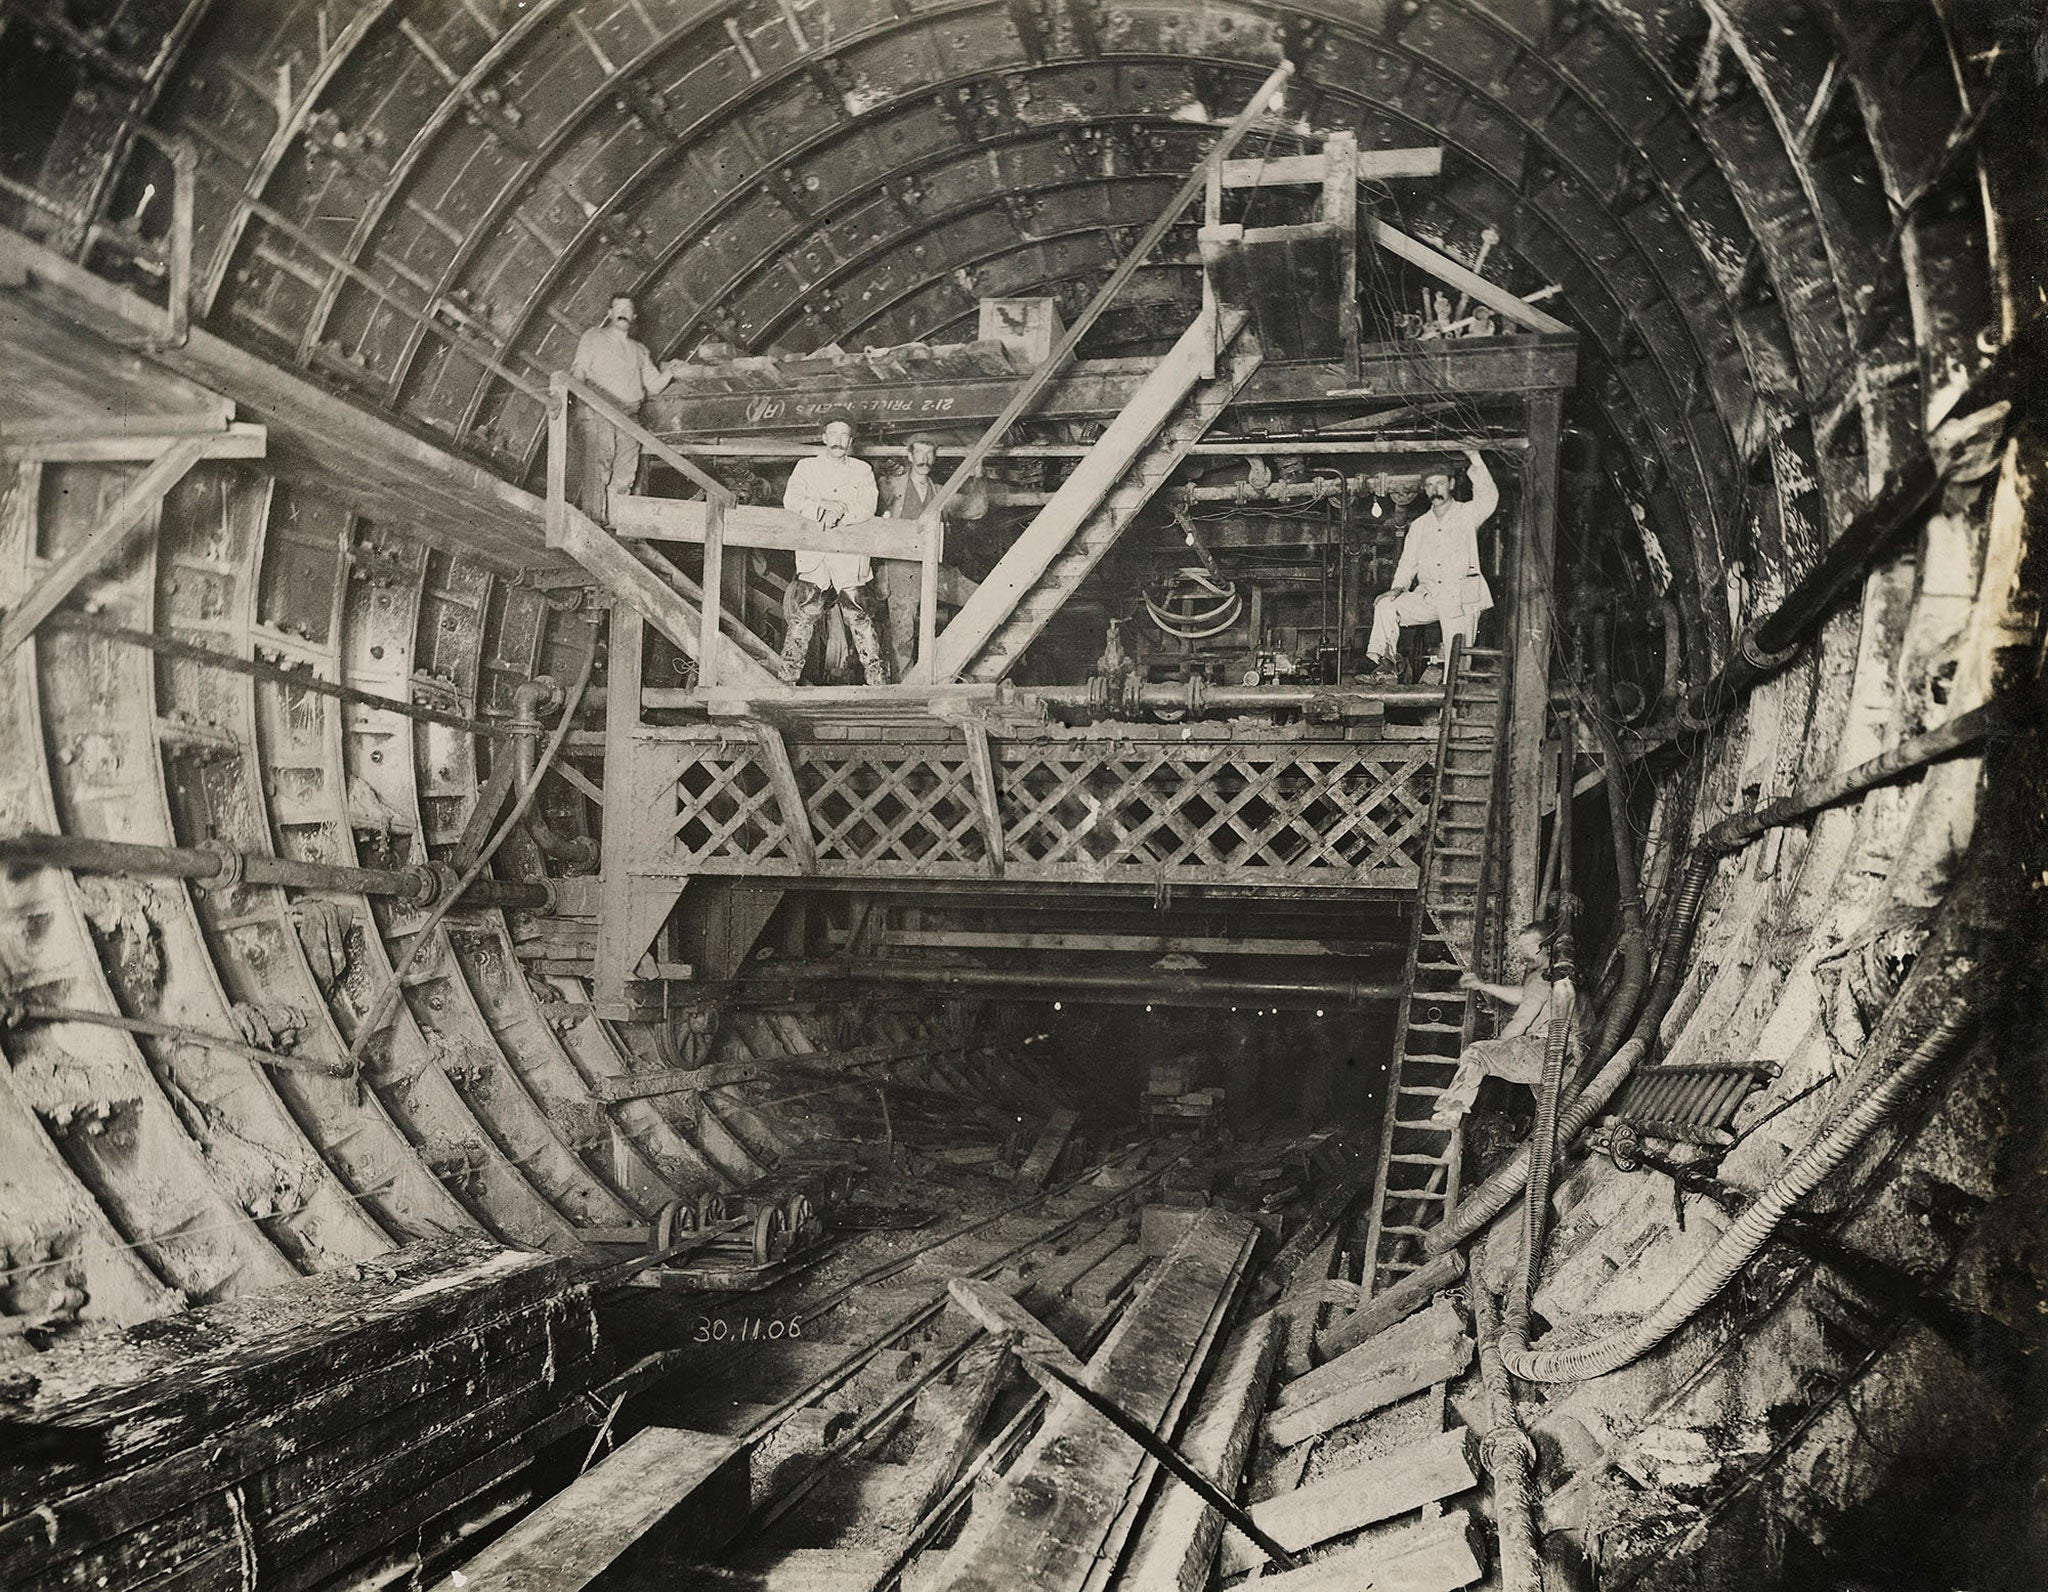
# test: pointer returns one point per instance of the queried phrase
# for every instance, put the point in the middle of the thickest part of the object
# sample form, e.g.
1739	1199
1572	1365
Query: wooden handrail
714	489
1034	386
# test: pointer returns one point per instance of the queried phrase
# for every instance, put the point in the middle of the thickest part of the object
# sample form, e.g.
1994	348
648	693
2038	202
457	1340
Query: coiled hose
1740	1244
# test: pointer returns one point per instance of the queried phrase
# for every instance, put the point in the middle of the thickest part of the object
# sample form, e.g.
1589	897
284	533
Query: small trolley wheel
771	1235
675	1222
710	1210
798	1209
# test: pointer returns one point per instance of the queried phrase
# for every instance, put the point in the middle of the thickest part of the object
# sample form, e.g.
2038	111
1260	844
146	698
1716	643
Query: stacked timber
339	1428
1066	1510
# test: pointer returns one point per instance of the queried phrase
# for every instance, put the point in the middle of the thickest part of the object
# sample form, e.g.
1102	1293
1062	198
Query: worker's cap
916	437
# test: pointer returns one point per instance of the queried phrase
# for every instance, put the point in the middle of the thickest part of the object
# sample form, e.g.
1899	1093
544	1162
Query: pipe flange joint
1197	695
233	865
429	883
1754	655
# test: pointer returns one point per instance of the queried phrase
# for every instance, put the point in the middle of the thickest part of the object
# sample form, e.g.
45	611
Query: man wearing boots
835	489
1438	580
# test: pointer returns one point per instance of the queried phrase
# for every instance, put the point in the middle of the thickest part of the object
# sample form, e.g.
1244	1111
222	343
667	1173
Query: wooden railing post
558	456
928	591
708	640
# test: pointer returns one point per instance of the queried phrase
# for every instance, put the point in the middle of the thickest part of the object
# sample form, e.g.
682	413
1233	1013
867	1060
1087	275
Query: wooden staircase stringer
1053	529
1102	529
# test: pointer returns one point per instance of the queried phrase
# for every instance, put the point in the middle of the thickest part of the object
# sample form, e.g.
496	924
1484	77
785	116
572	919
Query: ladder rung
1461	851
1419	1088
1436	1028
1418	1232
1417	1160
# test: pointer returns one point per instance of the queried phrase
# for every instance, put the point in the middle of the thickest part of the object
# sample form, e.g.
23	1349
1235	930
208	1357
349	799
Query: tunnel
1022	793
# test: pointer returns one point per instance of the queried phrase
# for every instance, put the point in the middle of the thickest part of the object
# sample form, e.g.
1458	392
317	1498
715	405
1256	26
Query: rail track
883	1432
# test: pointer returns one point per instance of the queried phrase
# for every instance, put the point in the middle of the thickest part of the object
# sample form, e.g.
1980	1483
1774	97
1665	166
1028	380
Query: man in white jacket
833	488
1439	580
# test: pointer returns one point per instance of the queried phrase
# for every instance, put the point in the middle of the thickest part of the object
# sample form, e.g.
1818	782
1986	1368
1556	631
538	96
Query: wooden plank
128	445
668	1488
1435	1361
1177	1544
1052	529
1438	1555
982	771
1440	1323
1045	1154
1123	944
1066	1503
1383	1310
1108	1278
1533	621
89	552
664	519
789	799
1361	1495
1374	165
1463	278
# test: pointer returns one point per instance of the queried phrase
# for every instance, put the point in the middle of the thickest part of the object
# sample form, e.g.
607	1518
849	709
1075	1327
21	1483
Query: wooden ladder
1416	1182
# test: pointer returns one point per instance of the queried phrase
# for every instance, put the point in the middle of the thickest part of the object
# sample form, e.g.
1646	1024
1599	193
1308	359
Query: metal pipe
1052	984
1910	755
1768	644
1194	696
207	657
418	885
577	851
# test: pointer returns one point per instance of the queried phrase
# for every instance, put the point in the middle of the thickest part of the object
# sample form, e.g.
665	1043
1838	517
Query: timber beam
1099	389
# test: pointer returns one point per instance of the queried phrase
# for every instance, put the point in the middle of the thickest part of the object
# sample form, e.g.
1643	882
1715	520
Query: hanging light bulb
1319	1011
1379	507
1056	1006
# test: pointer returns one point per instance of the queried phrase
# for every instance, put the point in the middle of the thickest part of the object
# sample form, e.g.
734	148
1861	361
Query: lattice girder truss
1334	814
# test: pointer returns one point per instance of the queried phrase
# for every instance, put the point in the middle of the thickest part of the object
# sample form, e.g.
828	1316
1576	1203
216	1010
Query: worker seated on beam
1517	1054
1438	580
902	579
610	359
833	488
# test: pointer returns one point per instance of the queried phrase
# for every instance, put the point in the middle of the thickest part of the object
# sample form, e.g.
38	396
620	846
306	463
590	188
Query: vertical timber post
616	954
1534	623
713	593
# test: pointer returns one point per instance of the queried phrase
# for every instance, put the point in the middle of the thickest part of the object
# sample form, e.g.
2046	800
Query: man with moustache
833	488
610	359
1438	579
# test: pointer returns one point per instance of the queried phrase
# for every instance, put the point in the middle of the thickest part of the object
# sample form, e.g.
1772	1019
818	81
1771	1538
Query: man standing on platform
1438	579
902	579
610	359
835	489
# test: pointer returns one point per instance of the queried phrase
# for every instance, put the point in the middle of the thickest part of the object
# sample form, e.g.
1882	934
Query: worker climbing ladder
1417	1179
